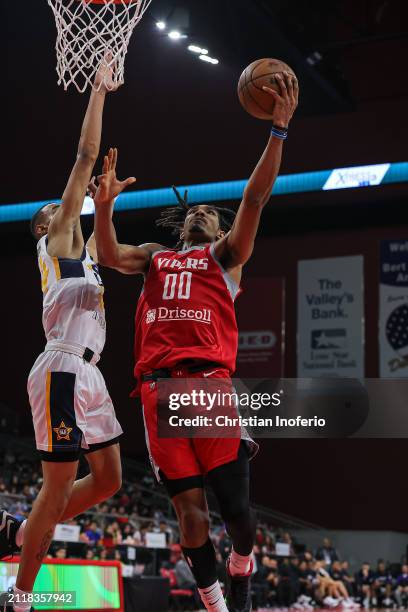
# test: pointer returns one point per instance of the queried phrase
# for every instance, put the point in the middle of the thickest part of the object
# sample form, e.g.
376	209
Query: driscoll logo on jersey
202	315
164	263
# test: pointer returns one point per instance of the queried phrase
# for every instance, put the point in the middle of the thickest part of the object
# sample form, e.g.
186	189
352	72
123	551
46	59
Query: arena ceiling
347	54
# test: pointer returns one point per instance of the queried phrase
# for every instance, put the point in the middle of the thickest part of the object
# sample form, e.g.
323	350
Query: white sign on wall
155	540
67	533
393	328
331	317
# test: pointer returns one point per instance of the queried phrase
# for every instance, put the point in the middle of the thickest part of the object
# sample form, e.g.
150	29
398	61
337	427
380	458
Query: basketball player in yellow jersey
70	404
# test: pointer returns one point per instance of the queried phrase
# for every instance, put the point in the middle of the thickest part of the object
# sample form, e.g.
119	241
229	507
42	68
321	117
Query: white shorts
71	407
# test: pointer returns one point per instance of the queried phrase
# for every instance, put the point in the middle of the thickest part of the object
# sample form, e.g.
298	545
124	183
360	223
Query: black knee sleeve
230	483
202	564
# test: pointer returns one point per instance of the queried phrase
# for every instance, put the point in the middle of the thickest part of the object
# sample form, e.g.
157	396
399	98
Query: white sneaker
297	606
347	603
331	602
366	603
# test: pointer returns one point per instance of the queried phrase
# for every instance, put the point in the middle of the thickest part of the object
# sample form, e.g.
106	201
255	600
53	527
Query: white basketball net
89	33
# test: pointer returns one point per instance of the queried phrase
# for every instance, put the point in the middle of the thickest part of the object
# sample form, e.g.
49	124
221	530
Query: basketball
255	101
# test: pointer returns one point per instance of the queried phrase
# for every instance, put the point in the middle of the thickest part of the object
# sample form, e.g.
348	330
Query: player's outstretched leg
230	483
103	482
46	513
192	512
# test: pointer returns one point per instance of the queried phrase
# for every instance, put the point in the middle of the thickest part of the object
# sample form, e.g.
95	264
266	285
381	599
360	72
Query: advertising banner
393	327
260	315
330	317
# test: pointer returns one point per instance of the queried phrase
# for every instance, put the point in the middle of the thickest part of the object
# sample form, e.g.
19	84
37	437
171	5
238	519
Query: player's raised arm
63	240
122	257
237	246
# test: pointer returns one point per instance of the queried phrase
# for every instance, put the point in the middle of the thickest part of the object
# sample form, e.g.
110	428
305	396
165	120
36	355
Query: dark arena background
339	501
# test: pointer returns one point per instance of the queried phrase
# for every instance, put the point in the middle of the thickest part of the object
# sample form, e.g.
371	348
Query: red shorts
184	457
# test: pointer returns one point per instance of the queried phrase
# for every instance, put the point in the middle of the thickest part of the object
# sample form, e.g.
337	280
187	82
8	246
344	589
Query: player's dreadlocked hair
174	217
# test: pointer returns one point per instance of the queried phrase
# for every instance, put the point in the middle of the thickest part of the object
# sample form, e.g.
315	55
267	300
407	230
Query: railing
136	470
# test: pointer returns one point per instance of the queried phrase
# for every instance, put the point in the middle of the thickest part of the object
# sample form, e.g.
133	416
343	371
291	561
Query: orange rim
107	1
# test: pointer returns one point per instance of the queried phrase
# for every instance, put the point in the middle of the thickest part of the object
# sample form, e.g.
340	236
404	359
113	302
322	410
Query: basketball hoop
88	32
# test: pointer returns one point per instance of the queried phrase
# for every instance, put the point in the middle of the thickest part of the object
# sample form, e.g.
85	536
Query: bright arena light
207	58
174	35
161	25
195	49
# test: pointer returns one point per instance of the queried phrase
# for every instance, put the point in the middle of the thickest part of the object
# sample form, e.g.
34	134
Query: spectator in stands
364	583
166	529
383	585
90	554
92	534
401	591
146	528
286	538
327	552
287	584
306	580
3	488
184	577
335	570
221	568
137	535
259	537
347	578
224	544
268	547
265	582
61	553
112	535
122	518
331	592
118	556
127	535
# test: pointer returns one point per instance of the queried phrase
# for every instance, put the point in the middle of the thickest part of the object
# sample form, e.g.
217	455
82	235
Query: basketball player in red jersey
186	327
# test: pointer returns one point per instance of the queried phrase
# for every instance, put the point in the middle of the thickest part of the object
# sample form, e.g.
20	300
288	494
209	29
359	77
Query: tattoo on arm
45	544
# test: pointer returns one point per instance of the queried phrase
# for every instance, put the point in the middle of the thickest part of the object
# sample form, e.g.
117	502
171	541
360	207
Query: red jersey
186	311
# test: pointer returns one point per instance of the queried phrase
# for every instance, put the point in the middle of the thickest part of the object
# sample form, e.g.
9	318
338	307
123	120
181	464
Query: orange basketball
253	98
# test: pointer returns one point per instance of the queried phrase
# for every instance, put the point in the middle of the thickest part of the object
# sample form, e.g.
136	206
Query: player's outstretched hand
109	187
104	77
287	101
92	188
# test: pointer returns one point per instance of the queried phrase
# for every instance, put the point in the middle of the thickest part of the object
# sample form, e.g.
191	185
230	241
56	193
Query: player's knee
109	483
236	510
55	498
114	484
194	524
108	479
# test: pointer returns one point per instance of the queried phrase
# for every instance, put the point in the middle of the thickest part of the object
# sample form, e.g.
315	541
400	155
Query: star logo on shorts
63	432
